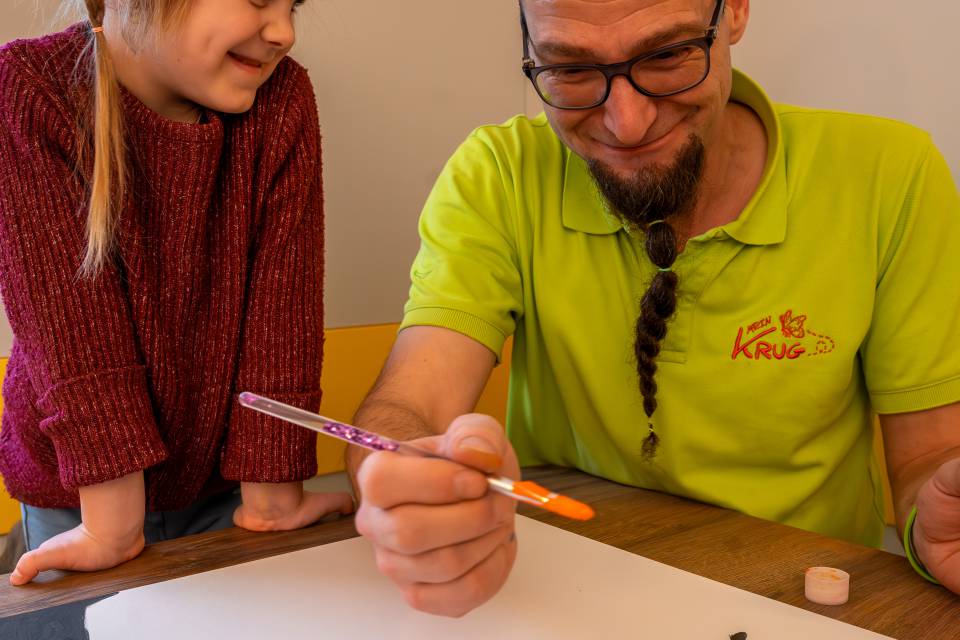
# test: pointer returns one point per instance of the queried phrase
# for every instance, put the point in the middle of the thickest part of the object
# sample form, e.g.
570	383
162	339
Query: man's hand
936	531
445	540
286	506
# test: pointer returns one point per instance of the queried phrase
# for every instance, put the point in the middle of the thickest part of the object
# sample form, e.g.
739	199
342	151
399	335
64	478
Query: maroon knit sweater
216	289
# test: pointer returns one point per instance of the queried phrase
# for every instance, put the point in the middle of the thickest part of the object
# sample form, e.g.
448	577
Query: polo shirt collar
584	208
763	221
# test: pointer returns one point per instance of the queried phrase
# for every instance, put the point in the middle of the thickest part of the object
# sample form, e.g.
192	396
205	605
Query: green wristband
911	552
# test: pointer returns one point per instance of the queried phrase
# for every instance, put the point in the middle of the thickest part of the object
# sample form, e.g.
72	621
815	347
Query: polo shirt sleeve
465	276
911	357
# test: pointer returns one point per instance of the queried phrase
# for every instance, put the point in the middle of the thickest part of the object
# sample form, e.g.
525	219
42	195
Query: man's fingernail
479	452
473	443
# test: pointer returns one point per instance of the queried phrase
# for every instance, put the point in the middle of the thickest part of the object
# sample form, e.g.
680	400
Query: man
709	295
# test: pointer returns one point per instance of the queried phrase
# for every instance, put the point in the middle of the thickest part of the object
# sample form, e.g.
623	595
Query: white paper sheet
563	586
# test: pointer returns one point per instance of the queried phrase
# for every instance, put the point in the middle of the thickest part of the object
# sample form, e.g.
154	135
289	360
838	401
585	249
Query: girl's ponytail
109	179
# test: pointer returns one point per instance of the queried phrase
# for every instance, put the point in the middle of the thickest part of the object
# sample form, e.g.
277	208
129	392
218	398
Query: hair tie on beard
648	449
664	269
650	225
96	30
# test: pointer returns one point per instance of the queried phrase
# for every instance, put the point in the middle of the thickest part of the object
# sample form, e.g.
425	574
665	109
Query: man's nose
628	114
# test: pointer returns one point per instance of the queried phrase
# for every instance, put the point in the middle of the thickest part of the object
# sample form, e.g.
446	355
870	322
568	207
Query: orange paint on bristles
561	505
569	508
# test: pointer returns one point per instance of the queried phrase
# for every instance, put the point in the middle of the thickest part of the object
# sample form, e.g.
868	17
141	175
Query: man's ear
736	15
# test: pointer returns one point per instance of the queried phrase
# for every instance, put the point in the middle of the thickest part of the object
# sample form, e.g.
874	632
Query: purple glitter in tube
317	422
360	437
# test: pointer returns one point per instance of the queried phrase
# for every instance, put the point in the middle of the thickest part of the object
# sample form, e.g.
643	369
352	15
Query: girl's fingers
317	505
312	507
26	569
55	553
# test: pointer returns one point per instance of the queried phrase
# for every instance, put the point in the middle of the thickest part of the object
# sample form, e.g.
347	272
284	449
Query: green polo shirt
834	294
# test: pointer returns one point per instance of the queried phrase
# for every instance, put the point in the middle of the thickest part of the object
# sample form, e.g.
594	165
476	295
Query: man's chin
659	189
627	164
627	173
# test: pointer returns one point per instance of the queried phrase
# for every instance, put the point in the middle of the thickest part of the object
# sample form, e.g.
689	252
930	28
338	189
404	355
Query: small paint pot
826	585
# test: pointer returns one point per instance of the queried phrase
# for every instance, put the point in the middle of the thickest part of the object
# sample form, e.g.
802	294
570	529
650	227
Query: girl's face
217	57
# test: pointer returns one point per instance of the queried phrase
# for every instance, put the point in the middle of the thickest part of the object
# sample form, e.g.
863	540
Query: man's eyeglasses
665	71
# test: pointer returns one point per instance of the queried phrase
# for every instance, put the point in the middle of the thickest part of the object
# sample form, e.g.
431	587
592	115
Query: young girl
161	239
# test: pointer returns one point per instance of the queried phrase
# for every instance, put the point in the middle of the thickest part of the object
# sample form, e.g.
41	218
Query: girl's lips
244	61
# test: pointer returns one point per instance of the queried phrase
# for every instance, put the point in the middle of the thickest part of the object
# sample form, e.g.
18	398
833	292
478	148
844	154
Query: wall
895	59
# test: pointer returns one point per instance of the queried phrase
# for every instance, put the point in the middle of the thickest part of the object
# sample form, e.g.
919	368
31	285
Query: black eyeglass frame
611	71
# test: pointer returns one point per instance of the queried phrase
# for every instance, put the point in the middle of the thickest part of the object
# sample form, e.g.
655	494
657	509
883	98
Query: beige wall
891	58
400	85
396	97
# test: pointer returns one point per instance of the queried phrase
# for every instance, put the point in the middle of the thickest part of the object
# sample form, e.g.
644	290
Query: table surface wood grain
763	557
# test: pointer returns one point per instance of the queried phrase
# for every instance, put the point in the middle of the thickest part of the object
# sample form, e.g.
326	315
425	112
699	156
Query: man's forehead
609	12
579	28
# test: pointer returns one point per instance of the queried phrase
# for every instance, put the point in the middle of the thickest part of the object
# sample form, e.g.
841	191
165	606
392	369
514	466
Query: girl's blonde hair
108	182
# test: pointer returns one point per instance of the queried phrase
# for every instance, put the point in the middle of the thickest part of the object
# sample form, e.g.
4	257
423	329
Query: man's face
630	134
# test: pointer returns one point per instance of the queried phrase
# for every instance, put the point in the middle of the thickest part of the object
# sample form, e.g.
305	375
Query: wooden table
756	555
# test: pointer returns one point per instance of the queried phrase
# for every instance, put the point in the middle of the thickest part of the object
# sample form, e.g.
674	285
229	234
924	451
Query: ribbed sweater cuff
264	449
102	426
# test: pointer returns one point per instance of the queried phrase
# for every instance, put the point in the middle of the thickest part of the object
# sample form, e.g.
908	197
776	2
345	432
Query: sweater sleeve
75	334
282	343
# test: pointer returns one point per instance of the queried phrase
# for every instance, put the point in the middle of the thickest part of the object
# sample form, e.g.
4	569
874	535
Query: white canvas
563	586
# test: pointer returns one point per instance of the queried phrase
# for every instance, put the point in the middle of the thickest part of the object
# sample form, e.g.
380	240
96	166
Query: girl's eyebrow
570	51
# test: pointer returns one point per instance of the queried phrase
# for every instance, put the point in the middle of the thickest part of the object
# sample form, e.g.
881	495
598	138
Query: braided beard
657	192
648	201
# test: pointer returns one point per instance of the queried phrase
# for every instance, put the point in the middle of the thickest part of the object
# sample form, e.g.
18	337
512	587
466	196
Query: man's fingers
389	479
440	565
412	528
460	596
947	478
477	441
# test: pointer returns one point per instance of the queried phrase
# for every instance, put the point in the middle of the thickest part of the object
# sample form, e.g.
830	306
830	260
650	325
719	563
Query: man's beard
657	192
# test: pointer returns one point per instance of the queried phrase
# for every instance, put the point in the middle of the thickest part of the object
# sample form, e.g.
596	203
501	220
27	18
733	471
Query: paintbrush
522	490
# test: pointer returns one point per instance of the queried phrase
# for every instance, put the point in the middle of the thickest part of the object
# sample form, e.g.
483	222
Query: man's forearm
433	375
391	418
907	481
916	445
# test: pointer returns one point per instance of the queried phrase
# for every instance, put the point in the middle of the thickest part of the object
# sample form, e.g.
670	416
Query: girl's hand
77	550
110	533
285	506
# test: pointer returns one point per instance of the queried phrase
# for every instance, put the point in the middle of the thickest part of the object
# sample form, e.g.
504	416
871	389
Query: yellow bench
352	360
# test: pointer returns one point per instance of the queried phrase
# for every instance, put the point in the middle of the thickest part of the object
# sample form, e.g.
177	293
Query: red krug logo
755	342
